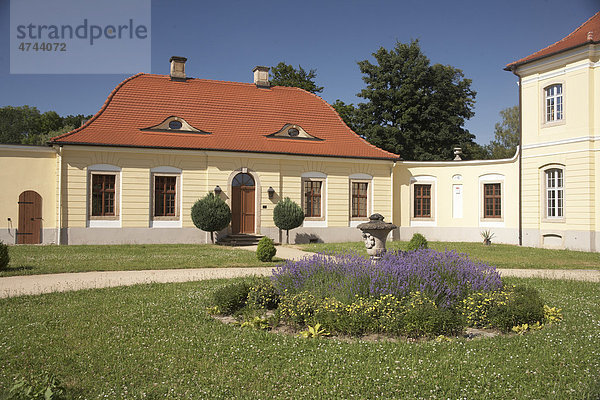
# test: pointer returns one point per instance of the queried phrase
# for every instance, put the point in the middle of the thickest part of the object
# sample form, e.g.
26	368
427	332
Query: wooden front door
30	218
242	204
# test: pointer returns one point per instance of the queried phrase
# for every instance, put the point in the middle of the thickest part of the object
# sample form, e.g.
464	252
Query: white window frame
166	221
113	221
315	222
423	221
557	191
487	222
553	107
360	178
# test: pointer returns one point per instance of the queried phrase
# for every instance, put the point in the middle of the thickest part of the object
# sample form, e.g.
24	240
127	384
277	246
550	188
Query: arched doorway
30	218
242	204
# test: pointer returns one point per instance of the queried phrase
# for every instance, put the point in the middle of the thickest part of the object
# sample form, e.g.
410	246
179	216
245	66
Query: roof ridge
104	106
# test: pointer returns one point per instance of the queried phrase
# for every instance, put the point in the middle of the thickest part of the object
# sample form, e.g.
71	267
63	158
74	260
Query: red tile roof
238	117
589	32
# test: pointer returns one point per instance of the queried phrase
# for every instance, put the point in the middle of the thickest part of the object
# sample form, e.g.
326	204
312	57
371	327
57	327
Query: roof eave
513	66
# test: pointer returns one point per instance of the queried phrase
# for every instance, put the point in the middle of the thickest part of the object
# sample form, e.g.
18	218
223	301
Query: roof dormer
174	124
293	131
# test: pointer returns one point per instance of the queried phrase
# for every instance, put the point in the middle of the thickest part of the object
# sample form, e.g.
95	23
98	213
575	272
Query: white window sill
354	224
314	224
165	224
492	224
423	223
104	223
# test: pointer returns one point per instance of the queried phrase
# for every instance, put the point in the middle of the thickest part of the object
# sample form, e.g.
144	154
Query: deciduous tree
286	75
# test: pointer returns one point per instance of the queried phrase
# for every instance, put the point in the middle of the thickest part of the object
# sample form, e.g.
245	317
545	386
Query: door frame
257	195
35	214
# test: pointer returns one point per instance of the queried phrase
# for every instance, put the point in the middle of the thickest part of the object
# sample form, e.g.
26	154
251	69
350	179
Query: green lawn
26	260
157	341
499	255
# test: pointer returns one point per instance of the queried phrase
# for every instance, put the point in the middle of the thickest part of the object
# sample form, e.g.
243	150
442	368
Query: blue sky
225	40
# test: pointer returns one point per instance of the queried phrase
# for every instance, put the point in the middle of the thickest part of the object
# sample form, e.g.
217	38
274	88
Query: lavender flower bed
446	277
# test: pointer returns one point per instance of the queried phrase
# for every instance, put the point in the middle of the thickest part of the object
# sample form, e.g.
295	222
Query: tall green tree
211	214
286	75
506	134
413	108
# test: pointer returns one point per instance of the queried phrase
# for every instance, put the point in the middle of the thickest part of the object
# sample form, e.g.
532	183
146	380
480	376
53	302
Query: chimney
178	68
261	77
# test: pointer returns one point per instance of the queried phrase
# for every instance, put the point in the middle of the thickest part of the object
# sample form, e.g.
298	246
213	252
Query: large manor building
160	142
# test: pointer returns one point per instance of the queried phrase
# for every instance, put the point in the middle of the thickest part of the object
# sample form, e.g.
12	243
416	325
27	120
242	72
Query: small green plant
230	298
487	236
47	387
4	256
524	306
552	314
265	251
524	328
417	242
314	332
287	215
258	323
263	295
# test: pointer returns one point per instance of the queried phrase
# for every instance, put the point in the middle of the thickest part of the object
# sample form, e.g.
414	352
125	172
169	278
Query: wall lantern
218	190
271	192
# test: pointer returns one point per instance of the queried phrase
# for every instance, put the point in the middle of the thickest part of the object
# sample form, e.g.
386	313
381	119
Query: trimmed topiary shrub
417	242
265	251
287	215
211	214
231	297
4	257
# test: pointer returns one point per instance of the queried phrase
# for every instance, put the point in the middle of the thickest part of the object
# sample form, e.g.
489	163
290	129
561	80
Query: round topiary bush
265	251
287	215
417	242
4	257
211	214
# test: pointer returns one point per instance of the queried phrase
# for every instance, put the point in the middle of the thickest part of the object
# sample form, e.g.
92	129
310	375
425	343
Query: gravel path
37	284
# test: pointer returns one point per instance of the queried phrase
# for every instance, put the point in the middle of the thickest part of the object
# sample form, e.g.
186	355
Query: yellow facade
567	144
26	168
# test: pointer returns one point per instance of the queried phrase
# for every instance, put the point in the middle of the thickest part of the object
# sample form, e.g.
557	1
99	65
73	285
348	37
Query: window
492	200
165	196
422	201
312	198
554	103
359	199
554	193
103	195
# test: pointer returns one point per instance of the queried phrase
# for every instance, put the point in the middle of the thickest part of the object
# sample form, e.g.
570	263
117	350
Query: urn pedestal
375	234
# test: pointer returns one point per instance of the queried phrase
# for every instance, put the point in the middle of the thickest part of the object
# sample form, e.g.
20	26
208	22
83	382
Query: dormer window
293	131
174	124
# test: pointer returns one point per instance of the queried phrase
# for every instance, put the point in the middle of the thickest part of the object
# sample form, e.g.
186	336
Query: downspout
520	150
59	213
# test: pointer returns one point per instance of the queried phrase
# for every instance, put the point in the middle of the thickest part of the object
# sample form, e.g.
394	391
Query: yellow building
160	142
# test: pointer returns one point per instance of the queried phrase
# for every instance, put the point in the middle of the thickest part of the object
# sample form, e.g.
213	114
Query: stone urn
374	234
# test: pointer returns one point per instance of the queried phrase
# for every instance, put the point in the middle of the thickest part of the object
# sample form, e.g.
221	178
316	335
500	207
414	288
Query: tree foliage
211	214
287	215
413	108
26	125
286	75
506	134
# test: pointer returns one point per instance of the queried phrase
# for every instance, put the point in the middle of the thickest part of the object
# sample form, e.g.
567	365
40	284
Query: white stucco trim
363	177
316	175
98	223
459	163
103	168
490	222
165	170
556	73
433	181
564	141
561	152
355	223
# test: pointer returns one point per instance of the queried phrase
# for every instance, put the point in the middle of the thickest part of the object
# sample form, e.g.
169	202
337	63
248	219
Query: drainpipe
59	214
520	150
